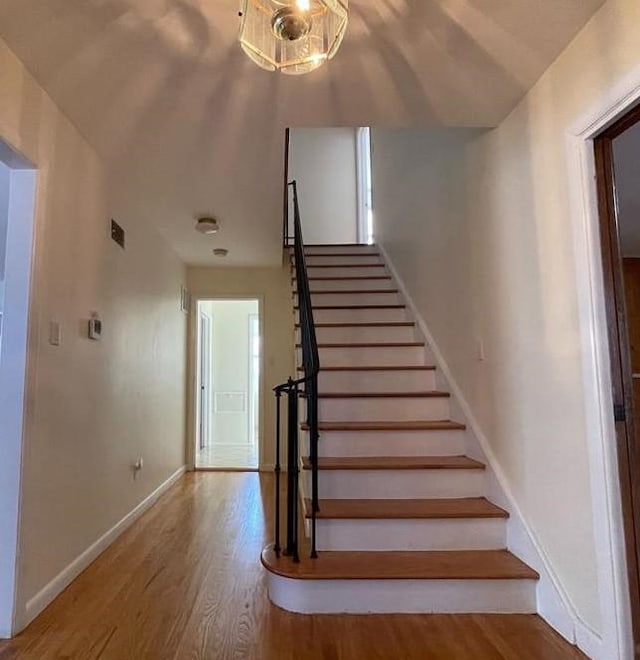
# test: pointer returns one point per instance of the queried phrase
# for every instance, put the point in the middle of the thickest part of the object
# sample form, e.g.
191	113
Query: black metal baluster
277	470
292	470
296	468
312	402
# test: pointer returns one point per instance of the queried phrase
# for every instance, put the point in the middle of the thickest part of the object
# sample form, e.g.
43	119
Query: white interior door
254	378
204	339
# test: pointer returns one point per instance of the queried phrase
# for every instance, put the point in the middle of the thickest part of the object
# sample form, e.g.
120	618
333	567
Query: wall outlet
54	333
137	466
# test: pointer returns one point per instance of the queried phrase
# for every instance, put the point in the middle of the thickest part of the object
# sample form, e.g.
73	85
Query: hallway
186	582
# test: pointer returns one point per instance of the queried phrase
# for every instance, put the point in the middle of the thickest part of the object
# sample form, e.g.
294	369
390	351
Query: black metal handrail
293	389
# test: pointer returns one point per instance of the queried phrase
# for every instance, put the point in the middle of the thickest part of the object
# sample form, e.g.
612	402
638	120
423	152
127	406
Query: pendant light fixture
292	36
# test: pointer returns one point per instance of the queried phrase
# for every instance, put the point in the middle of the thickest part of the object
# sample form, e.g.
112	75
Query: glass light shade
292	36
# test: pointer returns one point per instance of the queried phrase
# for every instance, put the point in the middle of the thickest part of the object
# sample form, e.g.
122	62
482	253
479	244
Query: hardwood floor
220	456
185	582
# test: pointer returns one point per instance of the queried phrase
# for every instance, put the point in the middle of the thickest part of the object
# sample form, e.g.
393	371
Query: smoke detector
221	252
207	225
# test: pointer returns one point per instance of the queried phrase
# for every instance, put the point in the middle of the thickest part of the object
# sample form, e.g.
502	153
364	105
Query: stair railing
294	389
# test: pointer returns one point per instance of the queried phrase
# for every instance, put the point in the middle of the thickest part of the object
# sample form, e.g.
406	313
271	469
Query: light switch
95	327
54	333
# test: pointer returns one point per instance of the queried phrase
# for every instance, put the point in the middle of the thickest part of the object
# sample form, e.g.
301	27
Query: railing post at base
292	471
277	470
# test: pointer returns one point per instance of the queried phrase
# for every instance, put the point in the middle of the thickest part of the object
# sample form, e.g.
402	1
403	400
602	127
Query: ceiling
162	91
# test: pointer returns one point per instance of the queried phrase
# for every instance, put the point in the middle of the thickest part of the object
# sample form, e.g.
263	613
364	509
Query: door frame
16	363
615	637
192	378
204	420
364	182
628	449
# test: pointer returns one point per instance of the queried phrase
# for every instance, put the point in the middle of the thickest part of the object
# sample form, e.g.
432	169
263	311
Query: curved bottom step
488	581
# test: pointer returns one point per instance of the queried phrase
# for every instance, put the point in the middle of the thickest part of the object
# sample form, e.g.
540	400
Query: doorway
17	205
617	154
228	384
364	185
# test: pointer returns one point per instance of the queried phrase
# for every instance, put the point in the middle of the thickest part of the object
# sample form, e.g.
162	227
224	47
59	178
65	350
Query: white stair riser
388	535
340	249
355	356
376	381
342	259
364	334
338	271
331	298
402	596
389	443
381	410
351	315
397	484
350	285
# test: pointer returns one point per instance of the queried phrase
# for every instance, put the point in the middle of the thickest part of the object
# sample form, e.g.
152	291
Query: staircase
403	524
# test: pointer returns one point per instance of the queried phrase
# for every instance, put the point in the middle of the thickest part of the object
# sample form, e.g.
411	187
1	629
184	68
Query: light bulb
304	5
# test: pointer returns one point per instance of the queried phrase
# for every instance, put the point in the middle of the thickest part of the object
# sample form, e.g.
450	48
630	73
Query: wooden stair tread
340	254
428	394
378	324
376	265
397	306
349	278
424	565
325	245
349	291
371	344
407	509
395	463
424	425
379	368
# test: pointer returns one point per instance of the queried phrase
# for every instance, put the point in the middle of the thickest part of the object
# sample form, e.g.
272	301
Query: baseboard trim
50	591
554	604
588	641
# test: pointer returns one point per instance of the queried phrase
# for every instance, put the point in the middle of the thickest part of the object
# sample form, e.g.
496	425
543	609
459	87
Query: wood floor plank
185	582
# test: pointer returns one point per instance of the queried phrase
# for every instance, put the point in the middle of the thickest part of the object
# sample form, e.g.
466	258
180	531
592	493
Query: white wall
502	269
92	407
478	274
4	210
272	286
483	241
462	228
323	162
